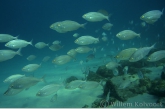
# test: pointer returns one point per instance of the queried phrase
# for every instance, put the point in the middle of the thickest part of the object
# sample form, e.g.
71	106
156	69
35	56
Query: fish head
117	57
132	59
148	59
118	35
54	61
9	45
76	41
38	94
142	17
84	16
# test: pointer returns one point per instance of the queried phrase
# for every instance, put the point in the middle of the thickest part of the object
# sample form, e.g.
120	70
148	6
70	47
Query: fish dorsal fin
104	12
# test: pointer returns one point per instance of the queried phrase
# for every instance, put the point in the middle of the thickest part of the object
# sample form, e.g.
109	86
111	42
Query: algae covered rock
158	88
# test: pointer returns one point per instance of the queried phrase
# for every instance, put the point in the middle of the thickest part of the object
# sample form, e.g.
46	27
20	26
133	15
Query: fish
72	53
12	78
140	74
30	67
90	57
115	72
55	47
104	38
156	56
112	65
125	54
46	58
48	90
83	49
31	57
17	43
25	82
7	37
125	70
66	25
58	27
95	16
62	59
74	84
8	54
143	24
140	53
11	91
54	98
127	35
127	80
107	26
56	42
41	45
86	40
87	85
152	16
75	35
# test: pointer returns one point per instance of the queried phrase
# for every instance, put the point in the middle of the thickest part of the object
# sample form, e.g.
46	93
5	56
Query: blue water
31	19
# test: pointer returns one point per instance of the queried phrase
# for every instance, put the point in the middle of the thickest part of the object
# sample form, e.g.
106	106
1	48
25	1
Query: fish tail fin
19	52
83	25
153	46
43	79
162	10
40	64
16	37
139	35
31	42
107	17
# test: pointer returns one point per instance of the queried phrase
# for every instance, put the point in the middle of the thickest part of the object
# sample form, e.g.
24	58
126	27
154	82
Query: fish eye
58	25
149	58
142	16
118	34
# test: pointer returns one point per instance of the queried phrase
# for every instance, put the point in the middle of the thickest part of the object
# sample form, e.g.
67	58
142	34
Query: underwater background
31	20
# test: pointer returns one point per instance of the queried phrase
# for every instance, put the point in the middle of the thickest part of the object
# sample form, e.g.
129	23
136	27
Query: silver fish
25	82
156	56
86	40
8	54
67	25
55	47
107	26
17	43
12	78
151	16
7	37
48	90
95	16
140	53
63	59
74	84
11	91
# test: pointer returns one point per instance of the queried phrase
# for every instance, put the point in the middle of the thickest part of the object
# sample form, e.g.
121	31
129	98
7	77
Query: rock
162	101
85	106
158	88
163	75
92	76
72	78
104	72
